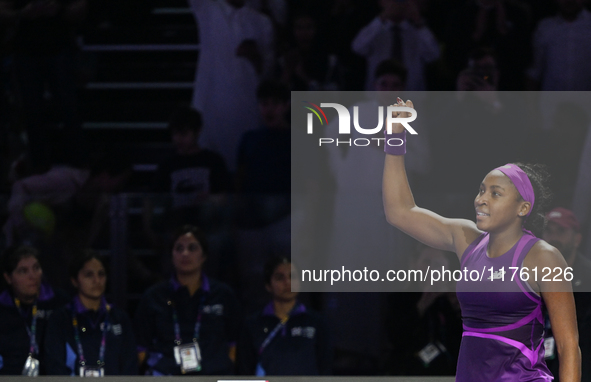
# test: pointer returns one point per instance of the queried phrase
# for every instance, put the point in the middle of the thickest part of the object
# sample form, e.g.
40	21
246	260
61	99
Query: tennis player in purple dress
502	314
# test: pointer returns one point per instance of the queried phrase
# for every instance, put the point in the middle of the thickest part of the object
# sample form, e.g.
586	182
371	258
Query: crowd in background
229	172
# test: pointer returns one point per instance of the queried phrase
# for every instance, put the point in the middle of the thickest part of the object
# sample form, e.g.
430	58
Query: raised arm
401	211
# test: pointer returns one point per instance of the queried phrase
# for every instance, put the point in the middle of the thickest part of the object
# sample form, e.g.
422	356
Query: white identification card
92	371
429	353
549	348
31	368
188	357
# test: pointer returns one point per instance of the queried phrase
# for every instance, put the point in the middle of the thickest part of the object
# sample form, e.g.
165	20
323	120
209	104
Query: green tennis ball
40	216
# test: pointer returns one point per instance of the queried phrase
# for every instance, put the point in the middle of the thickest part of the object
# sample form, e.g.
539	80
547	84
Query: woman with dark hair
286	338
503	332
188	324
25	307
90	337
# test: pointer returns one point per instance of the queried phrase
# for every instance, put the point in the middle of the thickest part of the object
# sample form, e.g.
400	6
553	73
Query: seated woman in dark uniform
286	338
25	307
90	337
188	324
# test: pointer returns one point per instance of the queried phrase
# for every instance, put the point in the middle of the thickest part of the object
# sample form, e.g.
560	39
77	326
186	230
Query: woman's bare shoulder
465	232
543	254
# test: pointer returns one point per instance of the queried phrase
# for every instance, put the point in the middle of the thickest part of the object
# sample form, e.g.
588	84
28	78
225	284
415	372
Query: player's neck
501	242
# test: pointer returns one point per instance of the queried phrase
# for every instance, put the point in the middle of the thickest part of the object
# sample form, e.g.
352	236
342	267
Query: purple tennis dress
503	336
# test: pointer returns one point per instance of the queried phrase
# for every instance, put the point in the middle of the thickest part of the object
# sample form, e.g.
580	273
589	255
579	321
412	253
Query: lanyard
274	332
177	327
101	361
33	348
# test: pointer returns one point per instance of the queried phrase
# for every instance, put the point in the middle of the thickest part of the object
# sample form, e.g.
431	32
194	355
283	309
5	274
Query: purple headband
521	182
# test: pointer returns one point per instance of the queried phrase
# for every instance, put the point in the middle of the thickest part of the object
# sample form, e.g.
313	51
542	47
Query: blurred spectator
399	32
25	307
390	76
35	201
562	50
307	65
264	186
264	160
345	19
190	311
499	24
90	337
44	46
197	179
564	232
193	172
64	210
477	110
286	338
482	73
569	126
581	200
236	51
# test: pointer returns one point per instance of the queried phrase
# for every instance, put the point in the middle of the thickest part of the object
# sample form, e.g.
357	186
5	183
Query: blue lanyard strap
276	330
33	348
101	360
177	329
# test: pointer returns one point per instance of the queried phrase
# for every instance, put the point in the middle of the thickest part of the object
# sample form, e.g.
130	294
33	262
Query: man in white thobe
236	51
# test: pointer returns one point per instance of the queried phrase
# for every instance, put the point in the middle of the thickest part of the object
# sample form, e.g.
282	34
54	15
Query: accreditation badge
31	368
549	348
429	353
86	371
188	357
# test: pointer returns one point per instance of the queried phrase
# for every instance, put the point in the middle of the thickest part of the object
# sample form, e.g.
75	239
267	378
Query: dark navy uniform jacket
219	326
62	351
14	338
302	347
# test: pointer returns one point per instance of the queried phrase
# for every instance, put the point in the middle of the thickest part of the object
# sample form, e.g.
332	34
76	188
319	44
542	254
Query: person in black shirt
286	338
193	182
24	309
90	337
192	173
264	154
263	186
188	324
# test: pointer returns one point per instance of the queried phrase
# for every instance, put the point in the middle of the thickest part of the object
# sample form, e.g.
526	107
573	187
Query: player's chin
482	226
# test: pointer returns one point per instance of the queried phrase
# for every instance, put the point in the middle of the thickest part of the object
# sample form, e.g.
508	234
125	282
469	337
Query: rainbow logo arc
316	112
